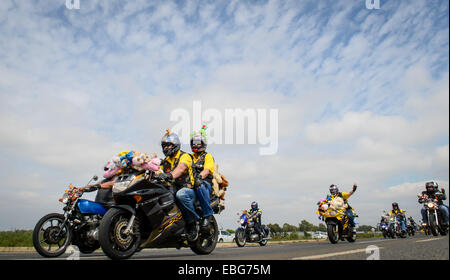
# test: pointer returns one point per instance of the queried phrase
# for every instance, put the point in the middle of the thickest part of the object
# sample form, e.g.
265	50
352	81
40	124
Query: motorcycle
384	228
338	225
395	228
247	233
434	217
77	226
411	229
145	215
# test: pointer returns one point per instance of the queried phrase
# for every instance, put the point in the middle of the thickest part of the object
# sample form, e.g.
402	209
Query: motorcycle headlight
65	198
430	204
120	186
242	221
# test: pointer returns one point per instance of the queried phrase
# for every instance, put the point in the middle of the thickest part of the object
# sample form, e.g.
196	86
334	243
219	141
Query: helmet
254	205
430	185
334	189
199	140
395	204
170	144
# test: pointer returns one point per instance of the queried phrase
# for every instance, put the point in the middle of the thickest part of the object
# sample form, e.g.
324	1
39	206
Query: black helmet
170	144
334	189
430	185
394	205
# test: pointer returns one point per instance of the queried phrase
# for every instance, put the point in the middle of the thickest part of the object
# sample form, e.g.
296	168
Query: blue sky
362	96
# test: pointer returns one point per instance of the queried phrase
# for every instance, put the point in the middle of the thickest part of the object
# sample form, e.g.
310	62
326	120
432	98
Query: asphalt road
419	247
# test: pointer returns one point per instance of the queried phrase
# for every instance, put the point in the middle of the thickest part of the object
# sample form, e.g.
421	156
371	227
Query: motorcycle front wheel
332	232
432	224
240	237
114	243
51	232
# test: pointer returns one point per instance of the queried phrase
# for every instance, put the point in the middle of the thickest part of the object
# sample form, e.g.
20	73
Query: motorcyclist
203	167
384	218
334	191
398	214
411	222
433	192
177	167
255	213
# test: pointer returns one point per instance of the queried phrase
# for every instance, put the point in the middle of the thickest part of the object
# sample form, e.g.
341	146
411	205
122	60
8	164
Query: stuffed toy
127	159
142	161
112	167
219	186
337	204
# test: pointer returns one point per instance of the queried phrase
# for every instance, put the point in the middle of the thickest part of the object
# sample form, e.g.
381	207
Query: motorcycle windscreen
90	207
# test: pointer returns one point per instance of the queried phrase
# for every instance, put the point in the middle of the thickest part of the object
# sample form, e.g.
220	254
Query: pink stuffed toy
112	167
152	165
143	161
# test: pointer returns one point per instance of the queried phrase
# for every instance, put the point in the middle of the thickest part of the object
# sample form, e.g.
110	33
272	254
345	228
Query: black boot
192	231
206	221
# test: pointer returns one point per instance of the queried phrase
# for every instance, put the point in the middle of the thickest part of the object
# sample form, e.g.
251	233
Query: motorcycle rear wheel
48	236
206	242
351	236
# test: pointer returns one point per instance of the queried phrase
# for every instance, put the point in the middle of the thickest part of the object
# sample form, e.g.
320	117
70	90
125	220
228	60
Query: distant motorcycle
395	229
247	233
78	225
434	217
335	216
384	228
411	229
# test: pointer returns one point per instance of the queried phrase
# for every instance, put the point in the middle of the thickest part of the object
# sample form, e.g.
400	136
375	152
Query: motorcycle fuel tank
91	207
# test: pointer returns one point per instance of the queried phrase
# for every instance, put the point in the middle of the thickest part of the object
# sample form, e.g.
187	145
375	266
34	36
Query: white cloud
361	97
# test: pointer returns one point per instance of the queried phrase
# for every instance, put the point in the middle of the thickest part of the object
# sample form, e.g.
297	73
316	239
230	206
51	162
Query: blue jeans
402	222
444	212
349	213
186	198
203	196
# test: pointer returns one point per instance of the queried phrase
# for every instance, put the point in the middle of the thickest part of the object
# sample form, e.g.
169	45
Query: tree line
305	226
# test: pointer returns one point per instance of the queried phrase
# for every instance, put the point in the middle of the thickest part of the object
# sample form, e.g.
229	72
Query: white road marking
332	254
426	240
373	241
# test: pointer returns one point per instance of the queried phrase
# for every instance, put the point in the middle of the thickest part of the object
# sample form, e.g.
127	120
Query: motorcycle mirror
95	178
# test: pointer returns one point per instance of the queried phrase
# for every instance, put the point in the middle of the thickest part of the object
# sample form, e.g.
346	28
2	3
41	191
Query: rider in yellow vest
203	167
334	191
177	167
398	214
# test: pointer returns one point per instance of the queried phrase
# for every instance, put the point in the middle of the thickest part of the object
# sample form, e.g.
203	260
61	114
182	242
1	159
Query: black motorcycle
434	225
78	225
247	233
411	228
145	215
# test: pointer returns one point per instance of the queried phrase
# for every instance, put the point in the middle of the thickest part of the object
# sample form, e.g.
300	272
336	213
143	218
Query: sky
362	97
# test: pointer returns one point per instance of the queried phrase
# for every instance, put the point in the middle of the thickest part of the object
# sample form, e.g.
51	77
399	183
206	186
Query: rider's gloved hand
354	187
166	177
198	181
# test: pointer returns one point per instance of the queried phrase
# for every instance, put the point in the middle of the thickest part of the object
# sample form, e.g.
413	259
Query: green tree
364	228
275	229
305	226
322	227
289	228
